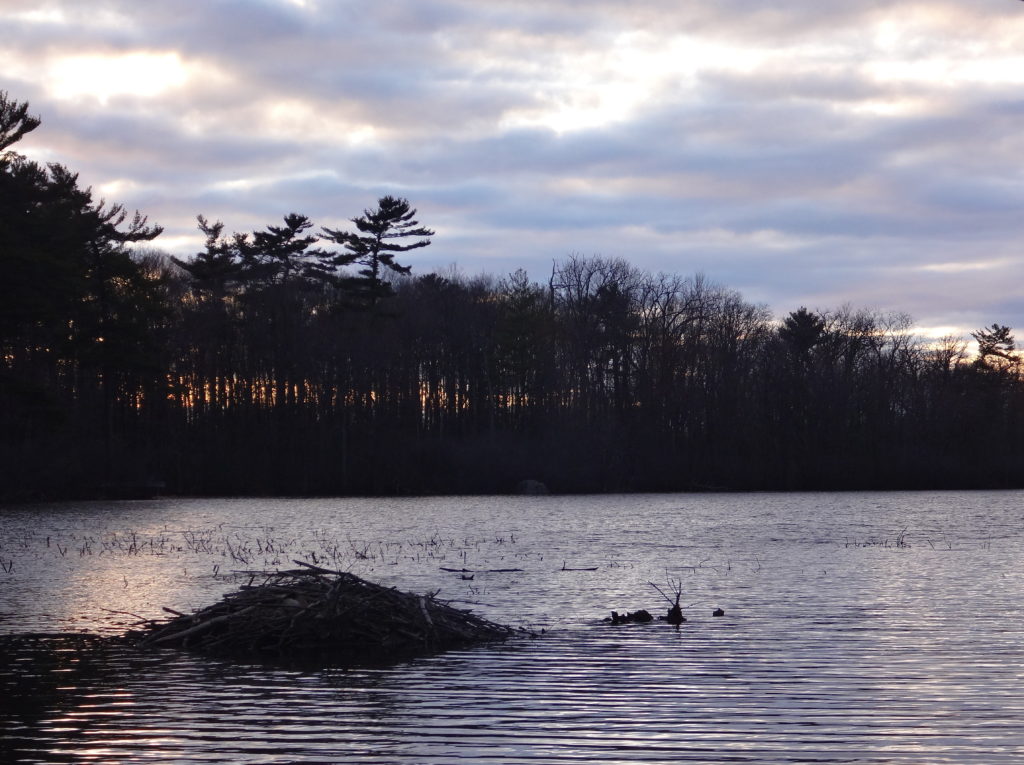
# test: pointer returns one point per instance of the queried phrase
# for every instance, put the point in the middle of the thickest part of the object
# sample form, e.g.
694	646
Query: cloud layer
805	153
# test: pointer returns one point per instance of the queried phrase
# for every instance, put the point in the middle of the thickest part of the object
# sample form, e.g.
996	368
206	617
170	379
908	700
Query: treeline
300	361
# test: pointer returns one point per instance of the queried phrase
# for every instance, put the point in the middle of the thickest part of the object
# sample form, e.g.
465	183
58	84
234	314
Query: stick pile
316	613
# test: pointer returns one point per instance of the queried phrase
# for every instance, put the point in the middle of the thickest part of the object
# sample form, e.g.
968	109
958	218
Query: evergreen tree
66	270
78	314
802	330
15	121
280	254
374	245
995	347
218	267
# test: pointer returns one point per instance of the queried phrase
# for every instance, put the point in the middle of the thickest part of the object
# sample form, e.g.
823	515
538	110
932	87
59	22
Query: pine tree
280	254
995	348
802	330
375	245
15	121
219	266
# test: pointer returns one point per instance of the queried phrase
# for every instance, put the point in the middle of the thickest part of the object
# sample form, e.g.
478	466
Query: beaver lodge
315	613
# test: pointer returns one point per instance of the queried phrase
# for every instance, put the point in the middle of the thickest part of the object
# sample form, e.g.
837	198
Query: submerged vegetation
266	365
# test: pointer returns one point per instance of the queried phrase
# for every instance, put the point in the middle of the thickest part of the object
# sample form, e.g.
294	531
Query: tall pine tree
381	235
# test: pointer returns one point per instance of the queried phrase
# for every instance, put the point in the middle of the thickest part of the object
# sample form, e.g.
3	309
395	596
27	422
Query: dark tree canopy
81	319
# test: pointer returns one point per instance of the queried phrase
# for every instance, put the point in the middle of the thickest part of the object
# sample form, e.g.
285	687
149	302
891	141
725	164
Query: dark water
858	628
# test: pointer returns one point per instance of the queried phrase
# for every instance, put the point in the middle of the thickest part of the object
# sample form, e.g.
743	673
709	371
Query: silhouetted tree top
380	235
995	347
64	270
15	121
802	330
219	266
57	187
279	254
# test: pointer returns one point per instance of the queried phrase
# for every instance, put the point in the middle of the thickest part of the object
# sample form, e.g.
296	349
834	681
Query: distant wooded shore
269	365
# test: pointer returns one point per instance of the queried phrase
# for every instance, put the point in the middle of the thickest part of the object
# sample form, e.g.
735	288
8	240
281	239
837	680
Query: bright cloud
103	76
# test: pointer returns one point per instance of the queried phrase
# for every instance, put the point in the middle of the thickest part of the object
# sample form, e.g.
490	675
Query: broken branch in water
480	571
675	612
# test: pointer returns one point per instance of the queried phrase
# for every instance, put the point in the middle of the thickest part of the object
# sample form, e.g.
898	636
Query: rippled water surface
859	628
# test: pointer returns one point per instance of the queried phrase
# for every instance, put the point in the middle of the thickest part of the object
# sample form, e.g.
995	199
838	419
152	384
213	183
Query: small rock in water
718	612
531	487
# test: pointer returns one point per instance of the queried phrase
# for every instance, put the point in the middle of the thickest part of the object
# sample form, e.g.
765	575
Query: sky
801	152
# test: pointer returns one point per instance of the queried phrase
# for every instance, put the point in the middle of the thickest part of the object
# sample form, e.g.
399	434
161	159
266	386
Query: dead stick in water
318	569
125	613
566	568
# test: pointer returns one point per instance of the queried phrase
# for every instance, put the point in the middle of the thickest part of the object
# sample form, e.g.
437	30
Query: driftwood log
313	613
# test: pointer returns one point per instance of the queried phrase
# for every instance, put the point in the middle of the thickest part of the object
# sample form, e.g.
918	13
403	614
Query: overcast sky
802	152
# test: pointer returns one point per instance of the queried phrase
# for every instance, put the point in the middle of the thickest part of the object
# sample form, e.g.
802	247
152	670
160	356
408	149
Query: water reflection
837	645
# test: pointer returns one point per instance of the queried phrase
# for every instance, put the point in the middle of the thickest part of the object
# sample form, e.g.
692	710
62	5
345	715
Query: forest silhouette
294	361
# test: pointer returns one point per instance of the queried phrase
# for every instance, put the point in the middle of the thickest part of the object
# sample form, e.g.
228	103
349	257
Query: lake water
872	627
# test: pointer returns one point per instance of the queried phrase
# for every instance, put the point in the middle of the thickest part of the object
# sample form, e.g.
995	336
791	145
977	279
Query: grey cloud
770	180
